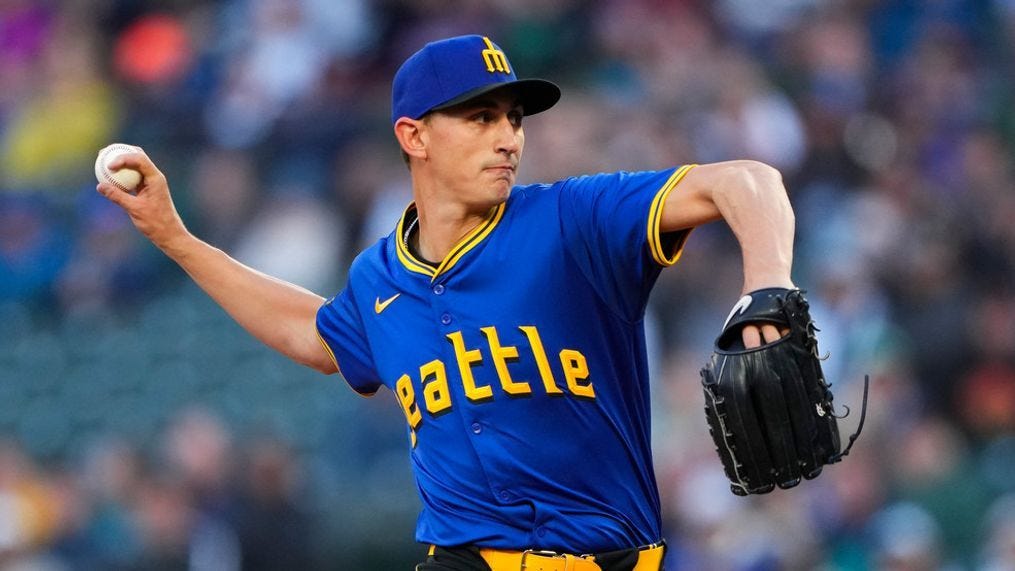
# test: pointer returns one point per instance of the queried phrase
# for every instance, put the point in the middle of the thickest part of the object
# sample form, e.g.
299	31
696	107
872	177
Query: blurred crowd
140	429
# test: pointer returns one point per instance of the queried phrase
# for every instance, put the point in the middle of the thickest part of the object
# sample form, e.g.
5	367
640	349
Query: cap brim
534	95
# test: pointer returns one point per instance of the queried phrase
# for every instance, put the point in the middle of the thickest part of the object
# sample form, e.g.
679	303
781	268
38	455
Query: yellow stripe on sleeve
337	367
330	352
655	241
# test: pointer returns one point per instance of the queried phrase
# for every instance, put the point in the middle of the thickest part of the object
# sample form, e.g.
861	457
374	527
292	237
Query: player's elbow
757	176
753	182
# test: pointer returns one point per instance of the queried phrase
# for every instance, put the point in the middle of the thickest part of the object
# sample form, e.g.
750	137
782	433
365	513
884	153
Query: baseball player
506	320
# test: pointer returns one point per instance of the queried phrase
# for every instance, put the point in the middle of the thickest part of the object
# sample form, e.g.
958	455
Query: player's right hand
151	208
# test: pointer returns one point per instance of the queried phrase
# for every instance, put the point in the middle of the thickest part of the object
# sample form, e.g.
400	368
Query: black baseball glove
769	409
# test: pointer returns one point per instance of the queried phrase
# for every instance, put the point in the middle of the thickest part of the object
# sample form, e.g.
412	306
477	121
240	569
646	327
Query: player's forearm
751	198
279	314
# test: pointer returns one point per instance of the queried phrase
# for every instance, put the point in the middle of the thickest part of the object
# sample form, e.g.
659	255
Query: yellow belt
649	559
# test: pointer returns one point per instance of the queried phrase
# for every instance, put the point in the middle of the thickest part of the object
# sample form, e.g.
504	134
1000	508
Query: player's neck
441	227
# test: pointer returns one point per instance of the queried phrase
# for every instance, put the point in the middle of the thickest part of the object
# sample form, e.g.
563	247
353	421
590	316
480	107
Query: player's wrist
176	244
773	269
767	282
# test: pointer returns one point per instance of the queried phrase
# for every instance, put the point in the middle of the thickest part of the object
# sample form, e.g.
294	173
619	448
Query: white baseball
126	179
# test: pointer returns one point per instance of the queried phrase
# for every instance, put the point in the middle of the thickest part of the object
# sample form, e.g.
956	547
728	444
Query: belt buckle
539	553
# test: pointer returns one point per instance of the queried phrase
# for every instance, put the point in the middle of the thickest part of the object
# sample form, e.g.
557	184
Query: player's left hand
761	333
769	408
758	335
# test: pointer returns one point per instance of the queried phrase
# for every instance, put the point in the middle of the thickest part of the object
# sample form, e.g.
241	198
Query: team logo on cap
494	58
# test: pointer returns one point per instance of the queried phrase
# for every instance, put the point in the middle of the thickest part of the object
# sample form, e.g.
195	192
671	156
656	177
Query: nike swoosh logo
741	306
380	306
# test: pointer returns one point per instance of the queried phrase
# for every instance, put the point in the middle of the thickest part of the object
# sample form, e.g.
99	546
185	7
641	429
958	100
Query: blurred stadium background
141	429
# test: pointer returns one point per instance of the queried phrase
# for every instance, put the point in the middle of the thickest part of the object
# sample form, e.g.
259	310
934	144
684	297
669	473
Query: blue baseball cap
454	70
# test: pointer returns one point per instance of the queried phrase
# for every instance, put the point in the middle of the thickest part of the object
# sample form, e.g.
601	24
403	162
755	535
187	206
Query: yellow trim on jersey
330	352
655	215
474	237
408	260
335	361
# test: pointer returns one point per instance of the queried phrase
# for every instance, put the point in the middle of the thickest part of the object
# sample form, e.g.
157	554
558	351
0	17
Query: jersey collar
467	243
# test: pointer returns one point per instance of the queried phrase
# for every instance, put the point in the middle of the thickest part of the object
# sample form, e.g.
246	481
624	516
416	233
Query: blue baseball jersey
519	362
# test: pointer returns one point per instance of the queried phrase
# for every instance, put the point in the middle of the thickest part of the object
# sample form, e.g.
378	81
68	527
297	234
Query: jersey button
505	495
446	319
438	289
477	427
541	531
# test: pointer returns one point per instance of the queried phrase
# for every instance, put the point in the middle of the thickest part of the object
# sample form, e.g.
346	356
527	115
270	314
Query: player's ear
411	137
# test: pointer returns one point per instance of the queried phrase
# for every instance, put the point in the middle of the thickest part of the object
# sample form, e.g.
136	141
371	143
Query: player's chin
502	179
501	190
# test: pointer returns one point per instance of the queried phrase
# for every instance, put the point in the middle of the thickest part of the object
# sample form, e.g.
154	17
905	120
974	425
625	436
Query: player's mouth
502	168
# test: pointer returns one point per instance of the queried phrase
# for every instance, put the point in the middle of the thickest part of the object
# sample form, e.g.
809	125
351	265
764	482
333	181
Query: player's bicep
691	203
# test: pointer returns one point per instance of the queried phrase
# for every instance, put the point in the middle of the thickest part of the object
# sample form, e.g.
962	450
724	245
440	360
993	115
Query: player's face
475	147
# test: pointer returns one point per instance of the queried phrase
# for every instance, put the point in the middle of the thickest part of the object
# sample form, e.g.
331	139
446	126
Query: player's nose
509	136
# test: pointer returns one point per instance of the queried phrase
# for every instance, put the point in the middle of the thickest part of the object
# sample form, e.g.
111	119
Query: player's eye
515	117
